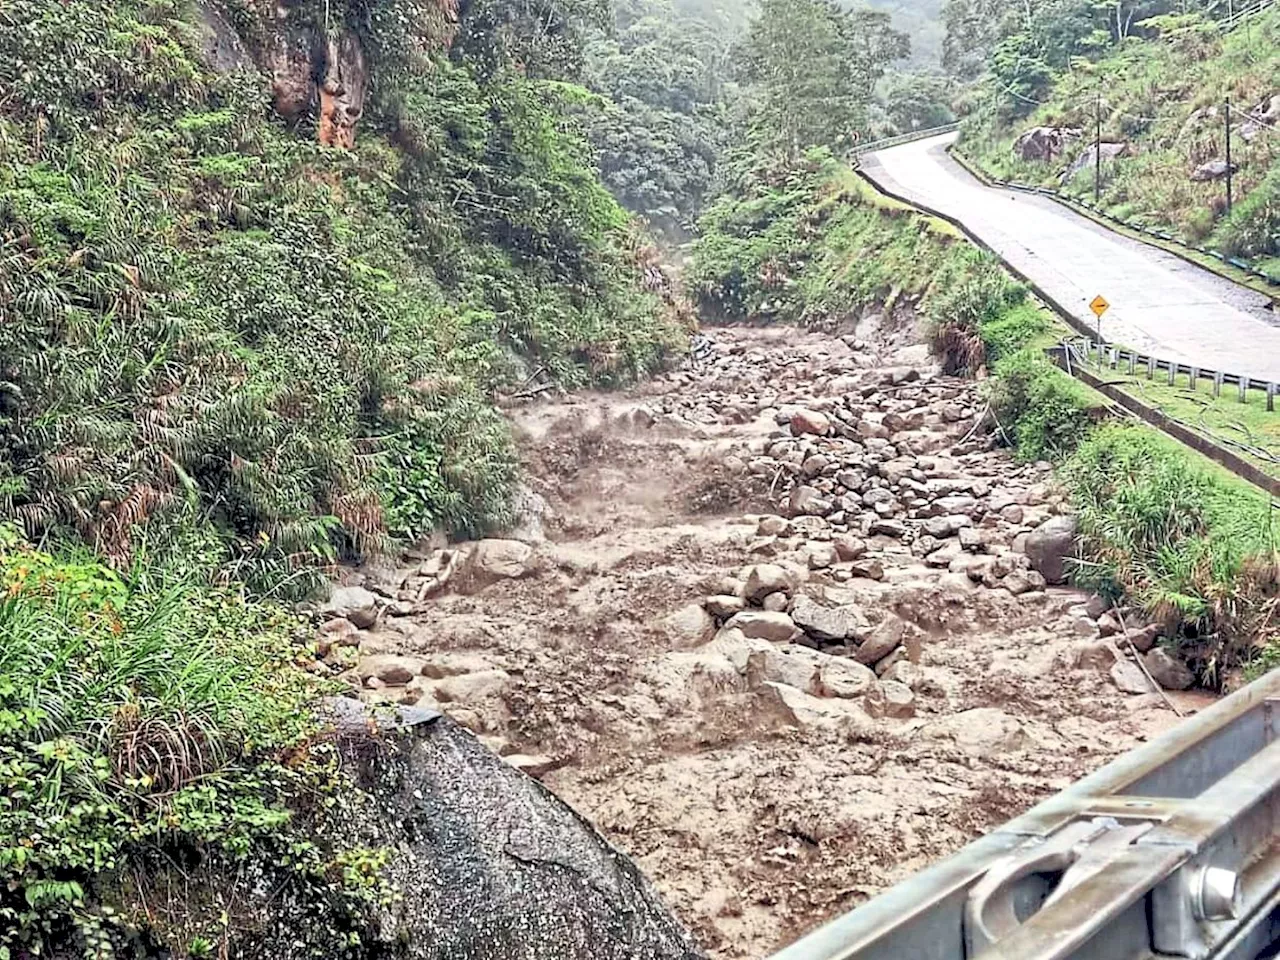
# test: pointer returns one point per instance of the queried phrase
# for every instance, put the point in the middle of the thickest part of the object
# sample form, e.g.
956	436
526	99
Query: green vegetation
230	355
209	321
1161	88
146	720
1182	538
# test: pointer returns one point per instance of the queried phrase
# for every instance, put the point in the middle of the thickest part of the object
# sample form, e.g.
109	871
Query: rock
1129	678
971	539
906	673
776	602
454	662
1170	673
790	664
1093	655
869	429
1211	170
889	528
356	604
723	607
764	625
1043	143
882	641
773	526
691	625
849	548
806	500
828	623
547	876
1096	606
1084	627
766	578
343	88
805	711
473	687
1089	156
871	568
1017	583
939	527
889	698
388	668
814	464
819	556
534	765
944	556
983	731
1108	626
491	561
1012	513
1144	639
810	422
843	679
1050	545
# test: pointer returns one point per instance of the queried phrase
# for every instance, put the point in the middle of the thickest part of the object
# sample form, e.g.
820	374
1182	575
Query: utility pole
1097	148
1226	110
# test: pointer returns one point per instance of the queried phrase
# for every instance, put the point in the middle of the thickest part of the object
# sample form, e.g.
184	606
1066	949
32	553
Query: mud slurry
767	781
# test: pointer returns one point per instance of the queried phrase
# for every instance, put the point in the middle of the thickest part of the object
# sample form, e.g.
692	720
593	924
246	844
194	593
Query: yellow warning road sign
1099	305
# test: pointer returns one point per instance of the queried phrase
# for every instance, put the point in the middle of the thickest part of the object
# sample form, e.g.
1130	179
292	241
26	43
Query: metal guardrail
1169	851
1232	21
902	138
1081	349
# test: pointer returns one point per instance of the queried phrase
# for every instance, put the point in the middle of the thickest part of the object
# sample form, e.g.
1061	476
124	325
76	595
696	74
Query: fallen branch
1137	658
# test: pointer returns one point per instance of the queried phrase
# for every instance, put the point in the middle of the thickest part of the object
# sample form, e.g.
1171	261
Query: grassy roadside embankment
1161	525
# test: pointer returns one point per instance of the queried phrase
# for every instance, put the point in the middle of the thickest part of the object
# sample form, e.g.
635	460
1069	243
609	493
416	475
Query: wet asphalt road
1159	304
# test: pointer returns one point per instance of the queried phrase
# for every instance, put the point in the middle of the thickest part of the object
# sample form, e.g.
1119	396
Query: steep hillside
264	265
1161	93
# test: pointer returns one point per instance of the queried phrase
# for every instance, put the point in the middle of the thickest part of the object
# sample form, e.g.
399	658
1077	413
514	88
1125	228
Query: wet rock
1017	583
831	624
882	641
691	625
1144	639
548	877
773	526
723	606
792	665
802	710
1050	545
454	662
355	604
1093	655
806	500
849	548
765	625
1170	673
473	687
1129	678
491	561
1108	626
766	578
869	567
984	731
389	669
1096	606
889	698
810	422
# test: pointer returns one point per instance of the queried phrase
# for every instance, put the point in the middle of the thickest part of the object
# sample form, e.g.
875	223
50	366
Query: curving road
1159	304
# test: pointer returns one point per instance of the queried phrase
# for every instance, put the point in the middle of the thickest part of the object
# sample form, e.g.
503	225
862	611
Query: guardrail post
1271	397
1151	368
1113	357
1217	385
1244	389
1173	372
1133	359
1195	375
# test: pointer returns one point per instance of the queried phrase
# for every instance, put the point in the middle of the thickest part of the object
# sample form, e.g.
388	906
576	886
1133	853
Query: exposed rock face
1211	170
490	862
342	91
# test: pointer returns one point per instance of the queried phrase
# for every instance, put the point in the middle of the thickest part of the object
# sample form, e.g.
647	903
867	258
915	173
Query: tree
813	67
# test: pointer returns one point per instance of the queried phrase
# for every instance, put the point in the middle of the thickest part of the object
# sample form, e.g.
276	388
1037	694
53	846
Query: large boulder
491	561
1212	170
489	862
1088	158
1050	545
1043	143
355	604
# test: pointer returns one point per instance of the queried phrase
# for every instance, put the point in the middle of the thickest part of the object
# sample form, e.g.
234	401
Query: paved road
1159	304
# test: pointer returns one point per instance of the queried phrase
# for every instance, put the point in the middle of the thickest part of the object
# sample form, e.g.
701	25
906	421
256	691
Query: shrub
147	716
1044	412
1253	228
1181	537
